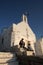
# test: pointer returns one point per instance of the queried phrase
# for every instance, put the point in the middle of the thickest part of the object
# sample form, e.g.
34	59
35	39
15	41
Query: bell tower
24	17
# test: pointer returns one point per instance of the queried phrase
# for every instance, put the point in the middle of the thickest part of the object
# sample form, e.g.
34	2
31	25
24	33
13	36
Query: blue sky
11	12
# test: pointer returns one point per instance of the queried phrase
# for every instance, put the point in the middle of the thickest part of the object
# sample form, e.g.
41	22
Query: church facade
13	34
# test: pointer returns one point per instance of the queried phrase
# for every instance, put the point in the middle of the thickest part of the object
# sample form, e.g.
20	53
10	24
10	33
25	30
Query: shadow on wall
6	41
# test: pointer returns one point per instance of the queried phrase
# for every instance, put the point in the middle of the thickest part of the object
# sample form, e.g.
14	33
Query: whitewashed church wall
41	43
26	32
38	48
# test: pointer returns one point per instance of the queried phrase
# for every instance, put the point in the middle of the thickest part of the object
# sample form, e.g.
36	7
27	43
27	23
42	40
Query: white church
10	37
13	34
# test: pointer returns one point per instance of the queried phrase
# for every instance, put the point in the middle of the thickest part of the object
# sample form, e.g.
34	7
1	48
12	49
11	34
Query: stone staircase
7	58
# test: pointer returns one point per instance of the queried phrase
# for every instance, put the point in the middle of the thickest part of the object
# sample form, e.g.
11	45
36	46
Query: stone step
7	58
11	63
6	54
